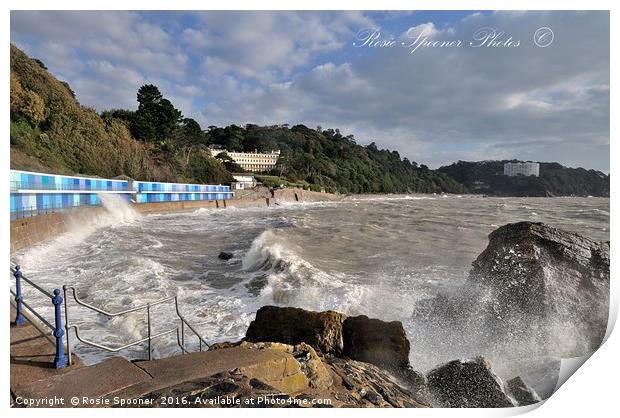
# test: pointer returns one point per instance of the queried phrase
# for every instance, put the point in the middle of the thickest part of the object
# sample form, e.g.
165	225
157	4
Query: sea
375	255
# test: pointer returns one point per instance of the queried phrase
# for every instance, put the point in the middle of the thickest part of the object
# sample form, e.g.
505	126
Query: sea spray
293	281
117	213
118	208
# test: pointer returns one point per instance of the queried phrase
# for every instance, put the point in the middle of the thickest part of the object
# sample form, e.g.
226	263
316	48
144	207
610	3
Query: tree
229	163
127	116
156	118
188	136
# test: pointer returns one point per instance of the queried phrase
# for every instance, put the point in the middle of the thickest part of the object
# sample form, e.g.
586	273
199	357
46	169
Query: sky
502	92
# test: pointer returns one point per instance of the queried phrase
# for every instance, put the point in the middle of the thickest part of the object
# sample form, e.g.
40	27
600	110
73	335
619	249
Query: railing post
60	360
19	317
183	333
64	292
148	323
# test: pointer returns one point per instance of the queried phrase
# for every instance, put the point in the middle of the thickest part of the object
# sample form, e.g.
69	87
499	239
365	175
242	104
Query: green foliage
51	132
156	118
487	177
68	87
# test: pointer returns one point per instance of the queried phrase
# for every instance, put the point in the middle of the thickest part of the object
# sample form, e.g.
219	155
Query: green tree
156	118
189	135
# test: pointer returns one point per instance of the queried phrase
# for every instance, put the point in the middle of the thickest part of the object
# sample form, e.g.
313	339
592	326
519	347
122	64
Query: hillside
51	131
326	158
486	177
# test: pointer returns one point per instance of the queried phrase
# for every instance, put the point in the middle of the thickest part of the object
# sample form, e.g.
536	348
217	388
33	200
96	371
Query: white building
252	161
522	169
243	181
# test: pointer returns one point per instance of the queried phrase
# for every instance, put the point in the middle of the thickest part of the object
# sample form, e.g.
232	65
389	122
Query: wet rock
310	363
467	384
537	272
321	330
384	344
367	385
374	398
521	392
364	384
312	366
224	255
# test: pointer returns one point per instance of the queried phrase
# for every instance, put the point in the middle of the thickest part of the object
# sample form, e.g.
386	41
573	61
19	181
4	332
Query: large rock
321	330
521	392
552	280
467	384
384	344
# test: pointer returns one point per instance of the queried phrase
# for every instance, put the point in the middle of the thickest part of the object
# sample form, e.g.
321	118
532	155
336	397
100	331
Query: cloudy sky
435	104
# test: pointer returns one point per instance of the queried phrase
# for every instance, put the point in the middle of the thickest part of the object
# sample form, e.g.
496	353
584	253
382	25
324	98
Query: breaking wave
289	280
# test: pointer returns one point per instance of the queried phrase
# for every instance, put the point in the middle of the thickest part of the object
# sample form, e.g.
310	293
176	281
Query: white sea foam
118	213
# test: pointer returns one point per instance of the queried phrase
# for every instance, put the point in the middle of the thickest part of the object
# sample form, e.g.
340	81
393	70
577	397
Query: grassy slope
69	138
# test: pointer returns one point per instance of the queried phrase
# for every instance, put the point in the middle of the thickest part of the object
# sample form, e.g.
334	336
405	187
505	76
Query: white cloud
435	105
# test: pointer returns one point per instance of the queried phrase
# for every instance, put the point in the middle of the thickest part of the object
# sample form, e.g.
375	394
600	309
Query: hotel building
522	169
252	161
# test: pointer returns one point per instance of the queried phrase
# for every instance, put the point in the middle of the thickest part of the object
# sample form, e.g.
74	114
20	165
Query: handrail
35	313
25	185
183	320
180	331
58	331
39	288
60	360
117	349
110	314
43	332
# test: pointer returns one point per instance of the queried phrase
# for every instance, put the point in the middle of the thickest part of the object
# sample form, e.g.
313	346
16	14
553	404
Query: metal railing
180	330
60	360
58	332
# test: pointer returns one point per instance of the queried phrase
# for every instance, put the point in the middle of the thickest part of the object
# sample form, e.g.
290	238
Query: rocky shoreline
534	272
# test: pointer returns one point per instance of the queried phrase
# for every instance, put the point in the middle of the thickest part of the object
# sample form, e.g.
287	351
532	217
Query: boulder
384	344
321	330
467	384
224	255
521	392
548	279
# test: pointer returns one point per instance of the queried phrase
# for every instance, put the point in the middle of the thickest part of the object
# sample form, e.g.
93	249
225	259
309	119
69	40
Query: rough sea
372	255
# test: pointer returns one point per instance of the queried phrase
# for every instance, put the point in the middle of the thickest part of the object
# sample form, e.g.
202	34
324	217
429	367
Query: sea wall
29	231
35	193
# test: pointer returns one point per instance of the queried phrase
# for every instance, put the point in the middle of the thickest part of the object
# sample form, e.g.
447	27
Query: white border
591	393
